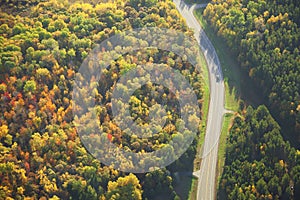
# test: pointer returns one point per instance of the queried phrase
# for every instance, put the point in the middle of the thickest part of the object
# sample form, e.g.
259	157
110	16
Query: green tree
30	86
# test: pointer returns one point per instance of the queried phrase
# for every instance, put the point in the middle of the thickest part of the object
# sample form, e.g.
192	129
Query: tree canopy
265	36
43	44
259	163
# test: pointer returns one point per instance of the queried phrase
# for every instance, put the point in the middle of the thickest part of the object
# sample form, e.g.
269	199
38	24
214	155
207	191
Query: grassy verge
205	103
227	120
231	100
194	188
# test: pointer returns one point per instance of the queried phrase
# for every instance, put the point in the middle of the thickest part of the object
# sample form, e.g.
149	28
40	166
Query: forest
43	44
259	163
265	36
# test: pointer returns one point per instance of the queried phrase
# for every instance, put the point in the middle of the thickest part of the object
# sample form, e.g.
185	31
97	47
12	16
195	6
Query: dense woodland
265	35
42	46
259	163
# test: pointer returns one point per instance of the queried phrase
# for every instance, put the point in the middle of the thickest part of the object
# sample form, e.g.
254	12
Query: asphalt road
207	173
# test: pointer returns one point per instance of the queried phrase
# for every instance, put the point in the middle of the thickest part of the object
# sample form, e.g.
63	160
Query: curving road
207	173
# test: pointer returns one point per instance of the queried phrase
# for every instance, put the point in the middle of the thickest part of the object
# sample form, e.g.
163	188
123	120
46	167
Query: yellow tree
125	188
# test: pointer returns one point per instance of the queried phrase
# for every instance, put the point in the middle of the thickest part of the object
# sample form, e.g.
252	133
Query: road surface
207	173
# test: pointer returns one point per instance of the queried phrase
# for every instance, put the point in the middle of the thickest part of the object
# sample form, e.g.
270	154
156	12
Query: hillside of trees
41	50
259	163
265	36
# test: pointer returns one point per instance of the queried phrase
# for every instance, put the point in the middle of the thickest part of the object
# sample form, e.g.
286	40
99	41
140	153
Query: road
207	173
